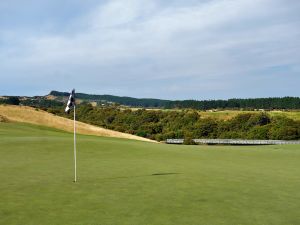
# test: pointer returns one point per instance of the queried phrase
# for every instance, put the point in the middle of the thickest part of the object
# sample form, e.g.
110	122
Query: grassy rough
25	114
136	183
229	114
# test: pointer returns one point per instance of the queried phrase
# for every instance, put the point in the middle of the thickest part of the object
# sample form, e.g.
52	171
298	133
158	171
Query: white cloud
132	41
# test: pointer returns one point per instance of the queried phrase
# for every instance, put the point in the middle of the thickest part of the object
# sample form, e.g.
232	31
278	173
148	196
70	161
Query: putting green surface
136	183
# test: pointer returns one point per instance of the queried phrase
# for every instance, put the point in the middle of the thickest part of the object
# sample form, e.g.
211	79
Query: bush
259	133
258	120
284	133
205	128
187	124
141	133
3	119
189	141
12	101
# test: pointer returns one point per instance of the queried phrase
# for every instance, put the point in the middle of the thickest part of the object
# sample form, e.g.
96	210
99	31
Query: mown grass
137	183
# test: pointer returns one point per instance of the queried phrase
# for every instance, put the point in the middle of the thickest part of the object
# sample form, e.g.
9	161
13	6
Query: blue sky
180	49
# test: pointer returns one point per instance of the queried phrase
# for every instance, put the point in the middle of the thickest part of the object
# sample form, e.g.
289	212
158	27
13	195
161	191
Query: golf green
125	182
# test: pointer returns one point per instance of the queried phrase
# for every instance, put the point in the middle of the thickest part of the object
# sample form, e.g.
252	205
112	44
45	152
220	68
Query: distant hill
58	99
251	103
127	101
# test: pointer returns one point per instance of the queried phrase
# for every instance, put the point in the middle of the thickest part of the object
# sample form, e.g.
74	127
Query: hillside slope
30	115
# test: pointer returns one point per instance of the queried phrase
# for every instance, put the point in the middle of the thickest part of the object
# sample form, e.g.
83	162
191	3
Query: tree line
37	102
160	124
249	103
163	124
255	103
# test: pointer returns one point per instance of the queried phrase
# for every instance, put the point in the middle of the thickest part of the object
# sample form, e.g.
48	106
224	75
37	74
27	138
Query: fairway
128	182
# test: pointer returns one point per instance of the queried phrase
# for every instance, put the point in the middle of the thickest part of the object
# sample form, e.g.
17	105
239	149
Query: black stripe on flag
71	102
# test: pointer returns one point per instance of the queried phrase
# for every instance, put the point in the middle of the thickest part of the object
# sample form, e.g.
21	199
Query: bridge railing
234	142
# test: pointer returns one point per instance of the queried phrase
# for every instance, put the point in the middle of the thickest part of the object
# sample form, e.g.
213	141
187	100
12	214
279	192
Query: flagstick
75	168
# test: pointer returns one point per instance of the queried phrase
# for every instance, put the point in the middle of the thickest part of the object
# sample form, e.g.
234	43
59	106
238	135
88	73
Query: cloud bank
149	48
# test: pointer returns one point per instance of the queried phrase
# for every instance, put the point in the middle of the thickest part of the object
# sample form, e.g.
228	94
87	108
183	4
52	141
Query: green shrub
162	125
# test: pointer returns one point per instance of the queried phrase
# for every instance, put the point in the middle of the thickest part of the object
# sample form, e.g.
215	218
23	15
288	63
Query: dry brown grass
50	97
30	115
229	114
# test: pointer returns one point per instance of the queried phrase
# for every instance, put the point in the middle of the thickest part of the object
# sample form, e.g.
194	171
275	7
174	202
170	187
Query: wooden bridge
234	142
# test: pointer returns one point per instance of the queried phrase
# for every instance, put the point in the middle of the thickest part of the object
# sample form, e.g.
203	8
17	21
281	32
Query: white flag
71	102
